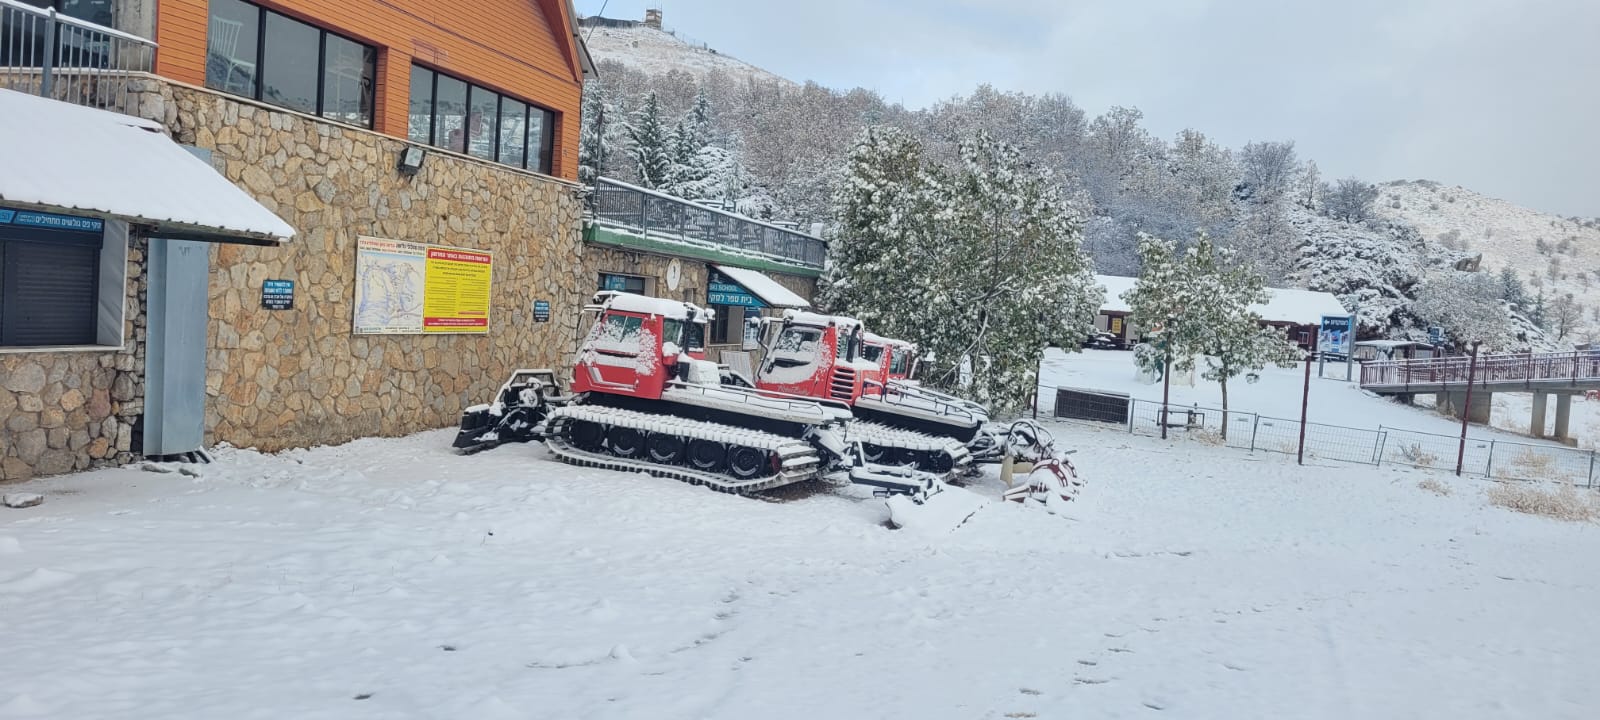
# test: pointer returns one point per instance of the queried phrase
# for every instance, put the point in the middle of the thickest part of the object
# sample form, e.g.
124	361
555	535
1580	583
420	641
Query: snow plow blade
940	512
515	415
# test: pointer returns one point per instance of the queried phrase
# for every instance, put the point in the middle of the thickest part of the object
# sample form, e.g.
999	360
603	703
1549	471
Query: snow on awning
764	288
56	155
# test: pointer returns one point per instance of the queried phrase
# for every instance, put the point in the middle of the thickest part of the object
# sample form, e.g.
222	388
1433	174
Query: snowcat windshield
796	346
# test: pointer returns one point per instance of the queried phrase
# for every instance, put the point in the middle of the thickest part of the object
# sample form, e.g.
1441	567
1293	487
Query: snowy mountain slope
1507	235
658	51
394	579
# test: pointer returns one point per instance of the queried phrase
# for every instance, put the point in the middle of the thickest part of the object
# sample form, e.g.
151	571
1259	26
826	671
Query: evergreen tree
980	264
1512	289
1199	301
649	147
598	135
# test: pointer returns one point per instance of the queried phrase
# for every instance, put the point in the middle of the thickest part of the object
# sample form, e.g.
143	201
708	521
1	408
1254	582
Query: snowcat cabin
814	356
638	344
902	361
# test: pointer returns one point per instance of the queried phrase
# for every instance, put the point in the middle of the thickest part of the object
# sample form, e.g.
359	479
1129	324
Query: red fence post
1305	402
1466	409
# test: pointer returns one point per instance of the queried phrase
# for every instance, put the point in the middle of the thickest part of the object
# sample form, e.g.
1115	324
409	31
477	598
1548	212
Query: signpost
1336	337
277	294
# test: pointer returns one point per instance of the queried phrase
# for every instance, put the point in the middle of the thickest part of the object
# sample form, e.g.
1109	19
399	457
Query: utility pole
1305	403
1466	407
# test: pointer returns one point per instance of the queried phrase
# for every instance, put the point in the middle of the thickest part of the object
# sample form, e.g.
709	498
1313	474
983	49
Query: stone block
31	444
21	500
52	417
99	448
13	468
28	377
22	422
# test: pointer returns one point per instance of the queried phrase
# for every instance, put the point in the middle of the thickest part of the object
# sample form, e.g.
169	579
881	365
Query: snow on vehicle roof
676	309
764	287
119	166
801	317
1301	307
876	339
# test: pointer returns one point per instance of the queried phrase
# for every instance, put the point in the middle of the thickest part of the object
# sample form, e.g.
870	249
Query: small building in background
1298	313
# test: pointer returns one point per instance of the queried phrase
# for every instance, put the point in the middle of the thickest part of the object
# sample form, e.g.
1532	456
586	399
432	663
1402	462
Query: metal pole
1166	389
1589	482
1305	402
1488	470
1466	407
45	79
1255	428
1133	411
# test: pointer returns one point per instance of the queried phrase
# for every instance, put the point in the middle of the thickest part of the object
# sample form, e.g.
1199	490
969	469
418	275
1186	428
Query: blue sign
722	291
1337	336
277	294
53	222
541	311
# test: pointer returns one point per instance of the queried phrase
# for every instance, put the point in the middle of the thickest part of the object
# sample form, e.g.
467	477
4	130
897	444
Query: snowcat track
871	433
799	460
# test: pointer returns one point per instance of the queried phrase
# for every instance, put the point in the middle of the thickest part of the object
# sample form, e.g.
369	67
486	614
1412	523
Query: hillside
1558	253
658	51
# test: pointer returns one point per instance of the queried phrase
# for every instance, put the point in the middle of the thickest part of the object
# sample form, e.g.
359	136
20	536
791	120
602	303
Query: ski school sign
1336	336
720	290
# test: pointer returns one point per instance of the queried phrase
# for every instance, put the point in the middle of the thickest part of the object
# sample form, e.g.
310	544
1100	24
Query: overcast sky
1501	96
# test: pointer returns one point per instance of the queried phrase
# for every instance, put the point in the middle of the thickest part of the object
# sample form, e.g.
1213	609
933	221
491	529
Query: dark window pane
48	293
420	127
95	11
231	47
540	130
513	132
348	72
451	113
289	75
481	115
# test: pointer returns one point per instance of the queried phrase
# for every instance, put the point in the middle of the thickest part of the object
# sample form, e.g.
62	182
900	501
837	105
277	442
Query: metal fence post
1589	482
1383	444
46	73
1255	427
1488	470
1133	411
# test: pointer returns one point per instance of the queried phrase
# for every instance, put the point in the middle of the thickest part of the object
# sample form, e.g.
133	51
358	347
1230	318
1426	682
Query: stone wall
691	281
65	411
300	377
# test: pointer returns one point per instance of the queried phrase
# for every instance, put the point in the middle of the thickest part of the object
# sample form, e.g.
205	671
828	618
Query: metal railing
45	53
658	215
1510	368
1251	432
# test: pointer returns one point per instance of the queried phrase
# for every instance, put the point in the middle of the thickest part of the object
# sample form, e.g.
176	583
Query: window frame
258	83
542	161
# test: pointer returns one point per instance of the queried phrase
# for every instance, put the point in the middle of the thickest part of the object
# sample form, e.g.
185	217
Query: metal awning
64	157
765	291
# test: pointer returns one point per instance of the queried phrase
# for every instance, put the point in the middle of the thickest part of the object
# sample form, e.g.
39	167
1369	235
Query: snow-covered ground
392	579
1333	401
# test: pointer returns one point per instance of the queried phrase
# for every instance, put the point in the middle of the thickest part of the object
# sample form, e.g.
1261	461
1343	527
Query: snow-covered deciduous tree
1200	299
980	263
1565	315
1308	192
1467	305
649	145
1351	200
1269	168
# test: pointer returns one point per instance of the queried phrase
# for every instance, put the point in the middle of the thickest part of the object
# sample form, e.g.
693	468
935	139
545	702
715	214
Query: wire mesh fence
1243	430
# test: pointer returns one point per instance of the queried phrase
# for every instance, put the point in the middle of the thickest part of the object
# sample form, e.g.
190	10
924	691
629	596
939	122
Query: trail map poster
408	288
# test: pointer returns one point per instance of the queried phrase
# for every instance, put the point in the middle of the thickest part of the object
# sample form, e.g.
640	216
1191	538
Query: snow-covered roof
1392	344
676	309
1301	307
801	317
104	164
764	287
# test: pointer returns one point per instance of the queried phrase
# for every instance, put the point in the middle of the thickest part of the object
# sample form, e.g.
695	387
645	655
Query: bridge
1542	374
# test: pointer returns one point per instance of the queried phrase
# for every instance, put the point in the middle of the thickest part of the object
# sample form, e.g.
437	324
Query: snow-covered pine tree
599	133
1199	300
649	145
981	265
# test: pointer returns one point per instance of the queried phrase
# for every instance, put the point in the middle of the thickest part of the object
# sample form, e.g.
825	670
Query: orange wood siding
522	48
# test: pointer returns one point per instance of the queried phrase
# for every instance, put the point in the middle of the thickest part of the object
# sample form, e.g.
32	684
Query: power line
602	13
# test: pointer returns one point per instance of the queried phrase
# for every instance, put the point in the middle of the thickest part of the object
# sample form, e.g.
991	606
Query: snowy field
1334	401
391	579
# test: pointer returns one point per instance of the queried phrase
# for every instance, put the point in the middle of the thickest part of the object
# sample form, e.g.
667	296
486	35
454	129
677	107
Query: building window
450	113
261	54
623	283
51	280
726	318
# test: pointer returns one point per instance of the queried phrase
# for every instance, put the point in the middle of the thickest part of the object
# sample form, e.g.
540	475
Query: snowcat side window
672	331
897	362
695	337
872	353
